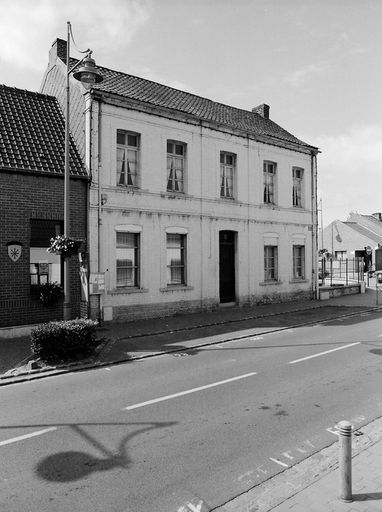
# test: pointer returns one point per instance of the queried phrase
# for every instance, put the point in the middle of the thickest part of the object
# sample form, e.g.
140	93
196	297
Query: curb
41	373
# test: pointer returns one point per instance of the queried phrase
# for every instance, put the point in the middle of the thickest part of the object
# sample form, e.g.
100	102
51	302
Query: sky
317	63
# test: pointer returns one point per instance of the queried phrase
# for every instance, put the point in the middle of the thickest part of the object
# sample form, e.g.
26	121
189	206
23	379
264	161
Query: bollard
345	435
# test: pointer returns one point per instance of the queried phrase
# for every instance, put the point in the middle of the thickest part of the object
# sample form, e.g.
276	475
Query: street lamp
88	75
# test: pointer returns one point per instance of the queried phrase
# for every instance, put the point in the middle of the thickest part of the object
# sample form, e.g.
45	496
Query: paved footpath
310	486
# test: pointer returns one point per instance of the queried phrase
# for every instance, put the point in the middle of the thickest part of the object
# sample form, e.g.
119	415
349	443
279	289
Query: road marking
27	436
279	462
323	353
187	392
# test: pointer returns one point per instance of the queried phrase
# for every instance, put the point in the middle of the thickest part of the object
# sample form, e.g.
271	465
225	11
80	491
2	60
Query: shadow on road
73	465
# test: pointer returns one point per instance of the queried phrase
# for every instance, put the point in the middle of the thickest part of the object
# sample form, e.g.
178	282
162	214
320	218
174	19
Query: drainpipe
99	223
314	225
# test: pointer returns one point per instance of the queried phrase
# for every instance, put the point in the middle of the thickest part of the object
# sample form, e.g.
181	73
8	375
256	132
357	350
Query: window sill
270	283
131	188
174	195
176	288
127	291
223	198
298	280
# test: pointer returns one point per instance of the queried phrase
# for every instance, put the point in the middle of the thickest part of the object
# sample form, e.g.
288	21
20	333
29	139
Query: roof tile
32	134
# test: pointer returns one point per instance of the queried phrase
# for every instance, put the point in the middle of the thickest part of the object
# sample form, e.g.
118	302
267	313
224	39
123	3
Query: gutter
314	225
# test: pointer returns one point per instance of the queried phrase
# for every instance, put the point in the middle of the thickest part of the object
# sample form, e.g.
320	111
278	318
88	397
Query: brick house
193	204
32	205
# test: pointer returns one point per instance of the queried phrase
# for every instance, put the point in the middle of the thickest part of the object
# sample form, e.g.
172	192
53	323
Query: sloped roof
159	95
32	134
364	231
140	89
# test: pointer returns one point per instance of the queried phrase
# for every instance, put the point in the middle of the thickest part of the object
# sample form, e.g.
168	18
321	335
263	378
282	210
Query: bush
65	340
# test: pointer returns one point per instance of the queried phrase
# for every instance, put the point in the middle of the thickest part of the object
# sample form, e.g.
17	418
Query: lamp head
87	73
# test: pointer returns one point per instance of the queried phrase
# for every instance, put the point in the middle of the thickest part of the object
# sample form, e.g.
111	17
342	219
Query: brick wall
22	198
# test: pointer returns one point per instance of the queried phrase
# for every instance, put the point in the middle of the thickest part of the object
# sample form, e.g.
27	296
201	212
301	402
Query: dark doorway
227	266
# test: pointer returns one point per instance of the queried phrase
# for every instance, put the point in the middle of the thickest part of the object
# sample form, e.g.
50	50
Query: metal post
345	437
67	306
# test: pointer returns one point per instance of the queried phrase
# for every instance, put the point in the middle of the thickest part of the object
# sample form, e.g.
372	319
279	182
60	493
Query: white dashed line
323	353
27	436
187	392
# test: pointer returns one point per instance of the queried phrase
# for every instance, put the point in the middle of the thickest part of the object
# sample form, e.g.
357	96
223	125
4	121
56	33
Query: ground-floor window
176	262
299	262
45	267
127	264
270	263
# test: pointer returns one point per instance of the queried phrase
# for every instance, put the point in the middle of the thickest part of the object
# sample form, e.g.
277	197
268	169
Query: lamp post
88	75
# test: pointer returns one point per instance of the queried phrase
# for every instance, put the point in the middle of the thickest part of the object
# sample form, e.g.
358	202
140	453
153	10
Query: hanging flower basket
64	245
50	293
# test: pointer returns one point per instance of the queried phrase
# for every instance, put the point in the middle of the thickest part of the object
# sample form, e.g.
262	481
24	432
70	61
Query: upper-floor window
127	158
298	175
227	173
176	154
269	177
127	259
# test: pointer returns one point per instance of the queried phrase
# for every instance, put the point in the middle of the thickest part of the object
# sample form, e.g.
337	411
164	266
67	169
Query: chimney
58	50
377	215
262	110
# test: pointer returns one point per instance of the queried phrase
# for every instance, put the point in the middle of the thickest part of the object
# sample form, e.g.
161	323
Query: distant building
347	239
32	205
193	203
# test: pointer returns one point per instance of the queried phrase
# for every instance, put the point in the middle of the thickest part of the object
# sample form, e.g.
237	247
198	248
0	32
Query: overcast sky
317	63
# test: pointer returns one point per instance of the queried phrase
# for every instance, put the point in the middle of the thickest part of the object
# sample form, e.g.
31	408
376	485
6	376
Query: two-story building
193	204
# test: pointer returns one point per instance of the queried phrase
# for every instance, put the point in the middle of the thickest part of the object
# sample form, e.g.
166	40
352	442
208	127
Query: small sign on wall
97	283
14	250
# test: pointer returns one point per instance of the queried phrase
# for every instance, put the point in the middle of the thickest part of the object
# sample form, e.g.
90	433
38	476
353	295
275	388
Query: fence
333	271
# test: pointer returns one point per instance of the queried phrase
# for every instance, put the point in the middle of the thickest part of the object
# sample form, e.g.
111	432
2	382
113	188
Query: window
227	171
127	158
270	263
340	255
176	266
127	259
44	266
299	262
297	186
176	152
269	182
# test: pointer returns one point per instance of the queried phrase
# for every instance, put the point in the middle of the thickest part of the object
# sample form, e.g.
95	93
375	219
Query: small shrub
64	340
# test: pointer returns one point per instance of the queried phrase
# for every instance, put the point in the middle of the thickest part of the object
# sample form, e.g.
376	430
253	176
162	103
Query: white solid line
323	353
187	392
27	436
279	462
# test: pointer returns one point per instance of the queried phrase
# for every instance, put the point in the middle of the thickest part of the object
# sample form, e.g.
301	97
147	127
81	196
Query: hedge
64	340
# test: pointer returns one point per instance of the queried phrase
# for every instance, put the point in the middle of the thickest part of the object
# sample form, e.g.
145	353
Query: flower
64	245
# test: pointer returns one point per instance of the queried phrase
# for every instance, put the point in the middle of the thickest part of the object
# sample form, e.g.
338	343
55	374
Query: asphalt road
186	431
